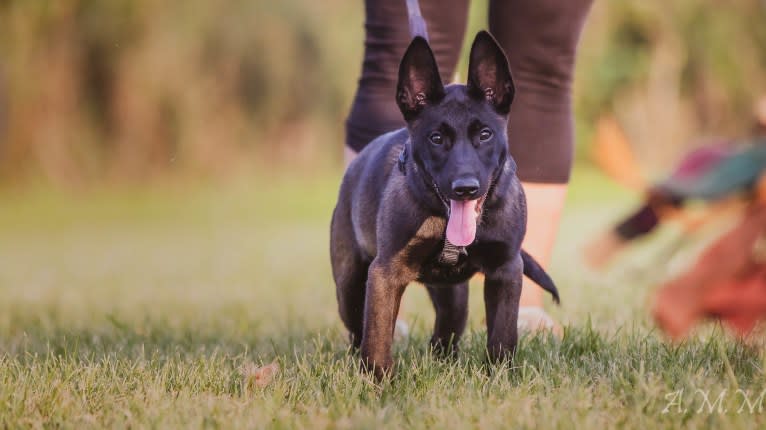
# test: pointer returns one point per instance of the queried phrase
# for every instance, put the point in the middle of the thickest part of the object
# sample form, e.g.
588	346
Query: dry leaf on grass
258	377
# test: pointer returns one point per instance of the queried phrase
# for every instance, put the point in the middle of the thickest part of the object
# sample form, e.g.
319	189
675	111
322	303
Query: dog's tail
417	23
535	272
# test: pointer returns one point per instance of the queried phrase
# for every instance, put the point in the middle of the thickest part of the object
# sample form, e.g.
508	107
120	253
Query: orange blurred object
728	281
611	151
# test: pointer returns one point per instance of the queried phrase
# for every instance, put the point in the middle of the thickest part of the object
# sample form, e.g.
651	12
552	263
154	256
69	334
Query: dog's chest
433	271
425	252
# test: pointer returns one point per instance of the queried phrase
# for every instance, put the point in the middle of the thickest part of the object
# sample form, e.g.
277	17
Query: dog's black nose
465	187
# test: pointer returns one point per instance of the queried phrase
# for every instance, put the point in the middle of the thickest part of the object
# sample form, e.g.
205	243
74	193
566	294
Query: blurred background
172	163
134	91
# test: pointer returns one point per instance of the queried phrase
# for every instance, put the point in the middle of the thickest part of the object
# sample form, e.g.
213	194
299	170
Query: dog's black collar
403	160
496	176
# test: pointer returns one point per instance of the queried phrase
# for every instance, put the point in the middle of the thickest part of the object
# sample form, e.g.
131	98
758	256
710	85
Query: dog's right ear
419	82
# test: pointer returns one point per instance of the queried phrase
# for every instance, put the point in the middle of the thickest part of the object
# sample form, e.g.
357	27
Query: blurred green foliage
720	45
129	88
94	89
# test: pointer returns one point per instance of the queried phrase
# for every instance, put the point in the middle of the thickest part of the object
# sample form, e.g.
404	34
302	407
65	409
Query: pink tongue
461	226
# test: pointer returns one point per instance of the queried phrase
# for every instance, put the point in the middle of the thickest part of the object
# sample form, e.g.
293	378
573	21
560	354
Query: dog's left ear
489	75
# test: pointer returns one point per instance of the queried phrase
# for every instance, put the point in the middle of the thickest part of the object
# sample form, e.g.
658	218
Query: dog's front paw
380	369
497	352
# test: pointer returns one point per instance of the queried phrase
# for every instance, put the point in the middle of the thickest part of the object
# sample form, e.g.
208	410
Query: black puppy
435	202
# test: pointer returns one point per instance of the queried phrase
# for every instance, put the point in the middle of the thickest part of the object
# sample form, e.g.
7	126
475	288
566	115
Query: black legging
540	38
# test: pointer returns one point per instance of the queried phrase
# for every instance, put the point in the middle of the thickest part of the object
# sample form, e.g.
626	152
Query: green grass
136	308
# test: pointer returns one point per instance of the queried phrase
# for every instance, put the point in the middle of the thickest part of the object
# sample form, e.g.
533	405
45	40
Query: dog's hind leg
350	274
451	305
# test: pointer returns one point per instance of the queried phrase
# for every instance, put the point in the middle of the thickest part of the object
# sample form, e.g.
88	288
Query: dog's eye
485	134
435	138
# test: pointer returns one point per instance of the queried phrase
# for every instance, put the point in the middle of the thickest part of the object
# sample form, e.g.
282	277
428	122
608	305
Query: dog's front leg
384	293
502	290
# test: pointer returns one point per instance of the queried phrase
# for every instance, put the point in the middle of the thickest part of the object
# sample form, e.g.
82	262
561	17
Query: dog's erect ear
489	75
419	82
